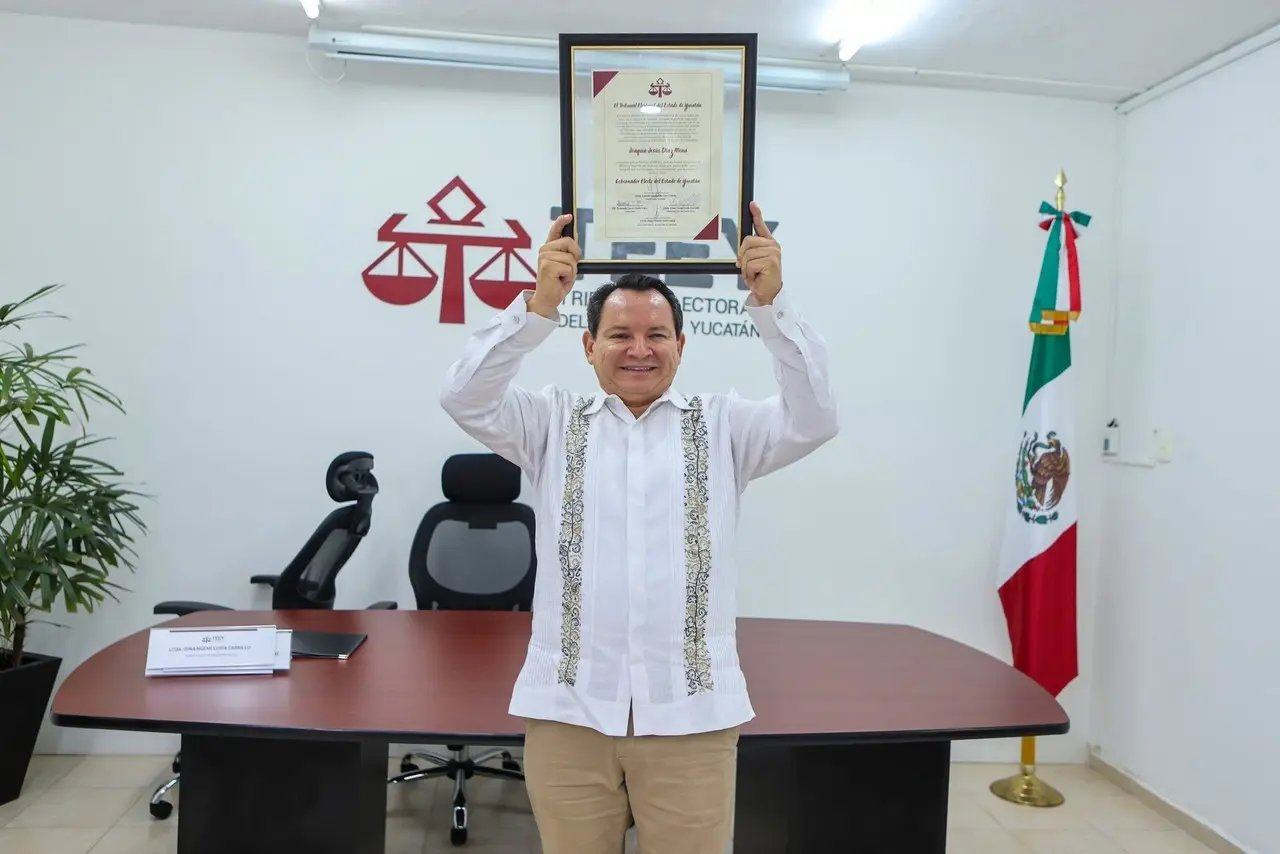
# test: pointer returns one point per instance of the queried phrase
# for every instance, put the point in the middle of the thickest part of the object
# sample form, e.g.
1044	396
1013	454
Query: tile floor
98	805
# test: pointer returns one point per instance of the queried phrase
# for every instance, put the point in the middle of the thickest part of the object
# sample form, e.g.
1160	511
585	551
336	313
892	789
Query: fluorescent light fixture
542	56
857	23
312	8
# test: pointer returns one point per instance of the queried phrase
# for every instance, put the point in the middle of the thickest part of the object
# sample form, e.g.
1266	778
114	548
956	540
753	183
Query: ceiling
1101	49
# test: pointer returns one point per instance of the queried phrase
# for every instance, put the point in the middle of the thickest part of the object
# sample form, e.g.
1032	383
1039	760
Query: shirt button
516	320
781	313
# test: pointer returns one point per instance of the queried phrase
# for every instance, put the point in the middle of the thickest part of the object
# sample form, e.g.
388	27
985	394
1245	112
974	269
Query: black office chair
308	582
475	551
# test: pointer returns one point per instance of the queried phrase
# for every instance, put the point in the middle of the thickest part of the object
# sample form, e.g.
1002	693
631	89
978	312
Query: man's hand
760	259
557	269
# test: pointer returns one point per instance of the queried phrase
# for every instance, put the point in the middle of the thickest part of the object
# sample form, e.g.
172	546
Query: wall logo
1044	467
406	280
402	276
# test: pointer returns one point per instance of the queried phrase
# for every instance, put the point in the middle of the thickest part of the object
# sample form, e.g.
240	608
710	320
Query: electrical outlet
1164	446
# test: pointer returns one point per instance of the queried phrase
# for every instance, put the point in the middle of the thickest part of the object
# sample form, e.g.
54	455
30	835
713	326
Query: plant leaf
67	519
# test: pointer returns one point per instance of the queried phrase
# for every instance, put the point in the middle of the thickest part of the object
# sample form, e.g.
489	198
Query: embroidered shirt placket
697	549
571	510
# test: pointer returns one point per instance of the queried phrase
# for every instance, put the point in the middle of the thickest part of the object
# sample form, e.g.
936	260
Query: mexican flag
1037	576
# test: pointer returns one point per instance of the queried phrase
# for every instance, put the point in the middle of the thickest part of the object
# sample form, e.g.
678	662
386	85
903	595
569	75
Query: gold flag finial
1061	183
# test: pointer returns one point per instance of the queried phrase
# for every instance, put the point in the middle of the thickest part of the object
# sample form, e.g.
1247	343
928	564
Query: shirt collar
674	397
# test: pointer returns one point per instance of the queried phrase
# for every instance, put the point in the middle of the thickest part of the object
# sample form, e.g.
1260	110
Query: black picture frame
748	43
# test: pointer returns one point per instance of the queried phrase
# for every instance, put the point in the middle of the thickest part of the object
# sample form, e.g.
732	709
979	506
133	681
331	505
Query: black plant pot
24	699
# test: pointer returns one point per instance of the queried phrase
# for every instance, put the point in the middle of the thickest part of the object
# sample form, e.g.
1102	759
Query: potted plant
66	521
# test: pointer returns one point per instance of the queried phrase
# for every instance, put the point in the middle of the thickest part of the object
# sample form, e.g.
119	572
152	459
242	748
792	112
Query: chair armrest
269	580
384	605
181	609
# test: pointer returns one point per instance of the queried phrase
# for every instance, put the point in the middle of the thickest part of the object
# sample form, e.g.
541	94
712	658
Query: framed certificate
657	148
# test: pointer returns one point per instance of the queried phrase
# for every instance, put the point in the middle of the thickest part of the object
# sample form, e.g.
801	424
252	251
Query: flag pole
1025	788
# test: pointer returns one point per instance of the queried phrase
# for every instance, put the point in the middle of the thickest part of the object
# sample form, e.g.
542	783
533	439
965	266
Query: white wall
1188	646
211	204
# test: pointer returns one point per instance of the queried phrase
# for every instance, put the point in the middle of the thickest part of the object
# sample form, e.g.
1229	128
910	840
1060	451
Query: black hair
632	282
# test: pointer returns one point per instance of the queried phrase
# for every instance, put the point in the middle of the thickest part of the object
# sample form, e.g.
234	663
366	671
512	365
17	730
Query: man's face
635	351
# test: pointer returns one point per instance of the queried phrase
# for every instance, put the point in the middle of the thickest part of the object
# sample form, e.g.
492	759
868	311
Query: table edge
221	730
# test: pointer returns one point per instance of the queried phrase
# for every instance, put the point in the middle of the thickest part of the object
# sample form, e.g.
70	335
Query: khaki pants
585	788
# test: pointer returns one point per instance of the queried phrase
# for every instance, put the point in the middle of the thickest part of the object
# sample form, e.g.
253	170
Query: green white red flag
1037	571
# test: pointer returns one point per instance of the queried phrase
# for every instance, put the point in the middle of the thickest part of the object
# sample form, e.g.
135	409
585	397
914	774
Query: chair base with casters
159	807
459	767
307	583
473	551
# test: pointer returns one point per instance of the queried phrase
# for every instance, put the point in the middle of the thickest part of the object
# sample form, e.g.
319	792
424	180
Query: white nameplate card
218	651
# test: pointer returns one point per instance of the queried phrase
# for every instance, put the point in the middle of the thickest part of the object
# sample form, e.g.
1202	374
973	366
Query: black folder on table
325	644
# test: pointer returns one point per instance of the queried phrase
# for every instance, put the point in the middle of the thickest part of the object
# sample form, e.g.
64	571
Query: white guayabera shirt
635	598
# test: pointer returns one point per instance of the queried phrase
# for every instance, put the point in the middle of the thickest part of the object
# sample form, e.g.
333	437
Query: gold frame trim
573	131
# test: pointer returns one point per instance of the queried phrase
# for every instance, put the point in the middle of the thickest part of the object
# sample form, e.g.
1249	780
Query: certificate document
658	154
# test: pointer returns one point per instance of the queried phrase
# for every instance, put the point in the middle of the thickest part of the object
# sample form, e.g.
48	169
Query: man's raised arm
771	433
479	394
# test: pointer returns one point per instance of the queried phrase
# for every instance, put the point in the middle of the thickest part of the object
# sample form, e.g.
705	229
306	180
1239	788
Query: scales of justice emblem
401	276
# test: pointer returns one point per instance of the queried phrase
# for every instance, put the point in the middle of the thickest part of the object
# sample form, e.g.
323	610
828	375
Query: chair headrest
480	479
350	477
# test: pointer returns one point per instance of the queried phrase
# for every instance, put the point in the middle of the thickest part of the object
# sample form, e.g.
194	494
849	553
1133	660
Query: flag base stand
1028	790
1025	788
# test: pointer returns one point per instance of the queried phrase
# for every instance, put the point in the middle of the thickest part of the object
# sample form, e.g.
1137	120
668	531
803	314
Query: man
631	690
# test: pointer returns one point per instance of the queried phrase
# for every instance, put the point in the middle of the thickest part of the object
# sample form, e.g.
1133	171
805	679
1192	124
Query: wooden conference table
849	749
